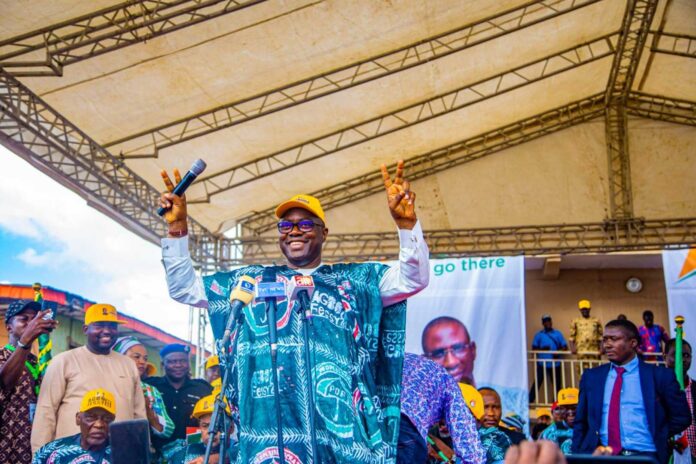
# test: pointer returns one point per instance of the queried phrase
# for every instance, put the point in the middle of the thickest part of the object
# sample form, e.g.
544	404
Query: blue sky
49	234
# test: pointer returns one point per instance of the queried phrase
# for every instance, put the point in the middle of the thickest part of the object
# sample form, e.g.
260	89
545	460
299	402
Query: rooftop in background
73	306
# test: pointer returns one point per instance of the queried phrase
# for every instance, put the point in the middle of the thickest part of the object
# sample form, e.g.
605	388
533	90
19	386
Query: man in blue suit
628	405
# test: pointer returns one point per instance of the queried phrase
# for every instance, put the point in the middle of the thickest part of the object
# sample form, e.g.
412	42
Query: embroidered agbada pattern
356	350
67	450
15	427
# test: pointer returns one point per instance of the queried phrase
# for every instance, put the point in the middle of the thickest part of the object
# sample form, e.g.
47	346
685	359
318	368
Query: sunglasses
305	225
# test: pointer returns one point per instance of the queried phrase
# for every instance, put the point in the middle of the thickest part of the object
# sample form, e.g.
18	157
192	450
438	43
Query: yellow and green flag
45	344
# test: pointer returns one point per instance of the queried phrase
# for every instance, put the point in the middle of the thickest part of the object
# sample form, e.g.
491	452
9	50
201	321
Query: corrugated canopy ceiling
283	97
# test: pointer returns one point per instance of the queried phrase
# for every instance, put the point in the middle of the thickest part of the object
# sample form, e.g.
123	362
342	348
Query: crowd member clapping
97	410
73	373
160	422
179	391
20	379
561	431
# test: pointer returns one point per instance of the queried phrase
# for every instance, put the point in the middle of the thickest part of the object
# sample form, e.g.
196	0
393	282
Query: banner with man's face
471	321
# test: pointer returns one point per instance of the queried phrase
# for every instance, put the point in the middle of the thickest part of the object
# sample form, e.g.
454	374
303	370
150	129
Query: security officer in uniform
585	336
179	391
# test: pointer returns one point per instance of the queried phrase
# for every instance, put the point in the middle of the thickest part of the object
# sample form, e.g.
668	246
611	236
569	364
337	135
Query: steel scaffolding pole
402	118
38	133
46	51
674	44
600	237
634	32
661	108
149	142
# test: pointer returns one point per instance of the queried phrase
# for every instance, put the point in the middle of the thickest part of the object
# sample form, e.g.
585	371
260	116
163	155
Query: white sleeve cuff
411	238
175	247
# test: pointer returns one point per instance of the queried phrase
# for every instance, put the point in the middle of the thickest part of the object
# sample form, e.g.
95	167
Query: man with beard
179	391
446	341
493	412
91	445
72	374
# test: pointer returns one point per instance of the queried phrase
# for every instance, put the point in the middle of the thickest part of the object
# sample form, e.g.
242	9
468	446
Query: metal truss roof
313	96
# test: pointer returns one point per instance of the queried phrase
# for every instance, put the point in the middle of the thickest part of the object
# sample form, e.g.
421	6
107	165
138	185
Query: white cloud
75	236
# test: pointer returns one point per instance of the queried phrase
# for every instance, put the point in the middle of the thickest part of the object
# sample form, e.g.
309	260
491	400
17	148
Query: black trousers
548	376
411	448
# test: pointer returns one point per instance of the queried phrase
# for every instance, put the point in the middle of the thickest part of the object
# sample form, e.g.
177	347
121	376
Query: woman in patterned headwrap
160	423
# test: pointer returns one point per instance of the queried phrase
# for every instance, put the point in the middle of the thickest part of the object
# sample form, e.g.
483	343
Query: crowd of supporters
624	407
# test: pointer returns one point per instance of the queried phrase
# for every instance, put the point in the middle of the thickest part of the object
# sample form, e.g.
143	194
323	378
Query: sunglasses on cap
305	225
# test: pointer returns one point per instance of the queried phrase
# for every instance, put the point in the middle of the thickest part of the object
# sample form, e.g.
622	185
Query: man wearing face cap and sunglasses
356	335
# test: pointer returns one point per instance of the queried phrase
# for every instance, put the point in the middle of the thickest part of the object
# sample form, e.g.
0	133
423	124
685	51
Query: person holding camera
20	378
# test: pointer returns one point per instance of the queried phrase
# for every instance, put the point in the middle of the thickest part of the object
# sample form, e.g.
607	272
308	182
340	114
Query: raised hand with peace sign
400	198
175	205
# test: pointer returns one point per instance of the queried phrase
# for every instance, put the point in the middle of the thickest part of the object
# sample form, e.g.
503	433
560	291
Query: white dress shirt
405	278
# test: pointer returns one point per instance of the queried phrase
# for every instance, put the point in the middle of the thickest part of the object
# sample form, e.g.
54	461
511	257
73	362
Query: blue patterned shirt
429	394
68	450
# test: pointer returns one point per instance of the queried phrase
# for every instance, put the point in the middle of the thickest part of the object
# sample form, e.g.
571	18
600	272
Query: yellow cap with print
303	201
101	312
98	398
568	396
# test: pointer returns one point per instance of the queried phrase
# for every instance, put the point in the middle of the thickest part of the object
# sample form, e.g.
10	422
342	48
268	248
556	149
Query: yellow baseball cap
212	362
98	398
204	406
568	396
308	202
541	412
473	399
583	304
100	312
217	386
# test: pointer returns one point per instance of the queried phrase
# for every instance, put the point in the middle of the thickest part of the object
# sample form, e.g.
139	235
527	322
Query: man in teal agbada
356	337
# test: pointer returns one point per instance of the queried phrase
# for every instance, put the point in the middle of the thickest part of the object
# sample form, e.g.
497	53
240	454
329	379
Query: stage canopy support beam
39	134
403	118
634	32
150	142
444	158
46	51
602	237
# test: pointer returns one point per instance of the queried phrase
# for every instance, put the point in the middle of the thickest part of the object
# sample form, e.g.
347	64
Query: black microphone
197	168
270	290
301	288
242	294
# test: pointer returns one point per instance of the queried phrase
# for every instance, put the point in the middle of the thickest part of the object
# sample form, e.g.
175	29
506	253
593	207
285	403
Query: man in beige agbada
73	373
